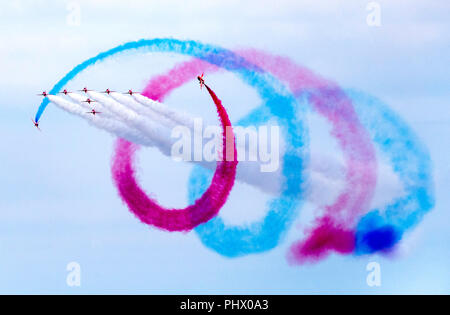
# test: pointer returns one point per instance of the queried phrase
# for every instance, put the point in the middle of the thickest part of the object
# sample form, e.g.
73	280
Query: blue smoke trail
381	229
277	101
260	236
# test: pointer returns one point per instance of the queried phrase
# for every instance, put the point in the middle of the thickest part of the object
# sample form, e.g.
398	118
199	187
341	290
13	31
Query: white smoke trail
174	117
152	129
81	100
171	118
178	118
141	109
77	97
105	111
248	171
126	128
128	124
110	125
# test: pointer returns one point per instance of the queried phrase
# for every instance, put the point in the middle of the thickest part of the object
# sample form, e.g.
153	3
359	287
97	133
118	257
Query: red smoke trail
324	238
204	208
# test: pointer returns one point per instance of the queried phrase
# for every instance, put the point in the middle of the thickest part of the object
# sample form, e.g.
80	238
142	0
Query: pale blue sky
57	201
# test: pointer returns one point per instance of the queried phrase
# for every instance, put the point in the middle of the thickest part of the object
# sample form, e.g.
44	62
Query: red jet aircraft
89	101
107	91
36	124
93	112
85	90
201	81
130	92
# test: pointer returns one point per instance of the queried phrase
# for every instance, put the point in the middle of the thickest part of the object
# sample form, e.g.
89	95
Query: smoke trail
260	236
354	140
112	126
420	195
381	229
375	231
210	53
351	135
269	185
267	88
333	230
175	117
267	182
249	171
152	129
267	233
161	84
203	209
139	108
81	100
277	102
77	97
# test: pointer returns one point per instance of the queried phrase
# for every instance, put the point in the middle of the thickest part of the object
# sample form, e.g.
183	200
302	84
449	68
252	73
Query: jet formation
107	91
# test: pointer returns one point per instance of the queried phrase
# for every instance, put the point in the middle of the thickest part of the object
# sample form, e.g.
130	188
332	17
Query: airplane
89	101
36	124
130	92
85	90
107	91
65	92
201	81
93	112
43	94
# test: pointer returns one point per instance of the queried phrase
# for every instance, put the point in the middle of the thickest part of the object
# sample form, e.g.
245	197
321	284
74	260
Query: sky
57	200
